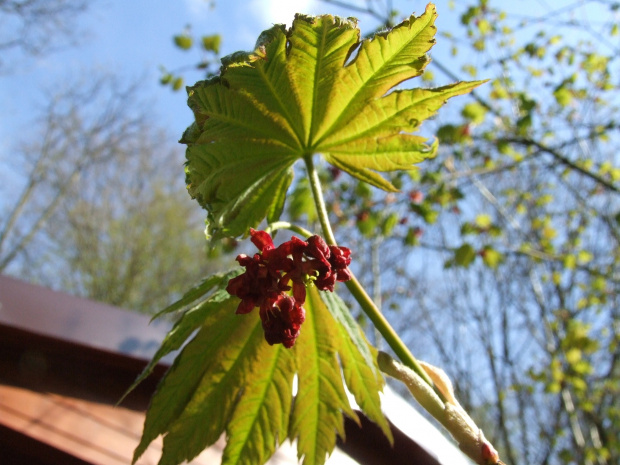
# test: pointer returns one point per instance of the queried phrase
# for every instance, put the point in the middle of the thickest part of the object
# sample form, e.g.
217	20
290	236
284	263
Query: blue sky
132	40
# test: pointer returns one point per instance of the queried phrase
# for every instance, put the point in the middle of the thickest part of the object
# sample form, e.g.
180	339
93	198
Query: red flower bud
268	274
261	239
282	322
317	248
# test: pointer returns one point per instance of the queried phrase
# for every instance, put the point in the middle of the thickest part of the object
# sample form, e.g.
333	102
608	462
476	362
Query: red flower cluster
269	274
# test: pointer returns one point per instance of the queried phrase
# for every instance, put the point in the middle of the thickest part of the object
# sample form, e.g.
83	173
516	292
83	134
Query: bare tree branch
38	26
82	128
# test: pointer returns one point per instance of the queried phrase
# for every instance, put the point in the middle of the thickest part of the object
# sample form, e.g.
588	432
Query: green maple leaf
227	379
314	88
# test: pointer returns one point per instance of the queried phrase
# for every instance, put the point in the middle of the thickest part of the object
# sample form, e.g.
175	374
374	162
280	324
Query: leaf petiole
317	194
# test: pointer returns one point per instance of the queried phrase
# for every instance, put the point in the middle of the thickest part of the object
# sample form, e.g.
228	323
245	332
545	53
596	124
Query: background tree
38	26
127	235
80	129
87	203
97	214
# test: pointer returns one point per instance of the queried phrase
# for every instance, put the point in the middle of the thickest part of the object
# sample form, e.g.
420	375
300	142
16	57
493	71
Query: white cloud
198	8
282	11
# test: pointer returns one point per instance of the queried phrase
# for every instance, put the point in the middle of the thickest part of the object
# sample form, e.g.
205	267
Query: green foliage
228	379
183	41
302	92
464	255
212	43
208	45
474	112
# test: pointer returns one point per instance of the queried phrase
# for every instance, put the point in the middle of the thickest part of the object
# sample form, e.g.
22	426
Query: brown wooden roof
64	363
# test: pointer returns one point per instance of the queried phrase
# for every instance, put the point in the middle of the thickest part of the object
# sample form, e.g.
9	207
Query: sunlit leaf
483	220
183	41
320	399
491	257
464	255
584	256
191	320
177	83
359	365
475	112
208	367
313	89
212	43
261	418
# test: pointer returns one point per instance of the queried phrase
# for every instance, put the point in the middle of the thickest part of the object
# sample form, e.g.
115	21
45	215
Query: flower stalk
277	225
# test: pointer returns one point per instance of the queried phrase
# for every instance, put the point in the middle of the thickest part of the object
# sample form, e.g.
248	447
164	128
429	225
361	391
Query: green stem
386	330
276	225
356	289
317	193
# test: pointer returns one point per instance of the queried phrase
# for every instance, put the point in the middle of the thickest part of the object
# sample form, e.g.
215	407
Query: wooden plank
93	432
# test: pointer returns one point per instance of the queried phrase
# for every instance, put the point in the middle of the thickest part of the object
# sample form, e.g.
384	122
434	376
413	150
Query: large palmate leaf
227	379
314	88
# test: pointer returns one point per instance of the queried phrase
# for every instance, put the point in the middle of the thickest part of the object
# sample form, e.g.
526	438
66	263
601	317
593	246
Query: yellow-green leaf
183	41
205	368
313	89
491	257
261	417
320	399
359	363
483	220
